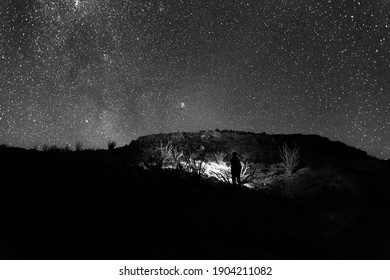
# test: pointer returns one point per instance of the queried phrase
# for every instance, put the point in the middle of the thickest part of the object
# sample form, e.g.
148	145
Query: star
88	71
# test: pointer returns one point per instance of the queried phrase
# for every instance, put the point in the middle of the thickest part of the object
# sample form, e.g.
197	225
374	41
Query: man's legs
234	180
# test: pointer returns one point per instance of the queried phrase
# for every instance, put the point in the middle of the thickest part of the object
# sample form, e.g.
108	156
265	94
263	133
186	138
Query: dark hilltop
169	196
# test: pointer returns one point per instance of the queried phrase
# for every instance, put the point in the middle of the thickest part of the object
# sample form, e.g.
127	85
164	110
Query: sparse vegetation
45	147
111	145
246	175
164	153
176	156
53	148
169	154
79	146
66	148
193	165
224	174
219	157
290	157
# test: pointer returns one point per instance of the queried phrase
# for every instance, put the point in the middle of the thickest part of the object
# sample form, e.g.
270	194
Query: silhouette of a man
235	165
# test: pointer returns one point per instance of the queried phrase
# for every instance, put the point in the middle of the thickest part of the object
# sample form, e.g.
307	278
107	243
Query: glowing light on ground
219	171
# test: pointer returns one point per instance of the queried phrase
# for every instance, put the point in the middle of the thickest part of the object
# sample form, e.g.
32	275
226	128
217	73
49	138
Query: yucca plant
218	157
193	166
290	157
246	175
224	176
164	152
176	156
167	154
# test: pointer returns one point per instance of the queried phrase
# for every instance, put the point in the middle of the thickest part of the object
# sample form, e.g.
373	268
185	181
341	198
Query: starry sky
100	70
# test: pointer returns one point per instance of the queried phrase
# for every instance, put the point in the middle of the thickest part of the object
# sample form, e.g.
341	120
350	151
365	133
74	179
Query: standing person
235	165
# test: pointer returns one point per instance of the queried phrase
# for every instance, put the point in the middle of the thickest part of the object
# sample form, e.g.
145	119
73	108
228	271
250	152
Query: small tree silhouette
111	145
54	148
79	146
290	158
45	147
66	148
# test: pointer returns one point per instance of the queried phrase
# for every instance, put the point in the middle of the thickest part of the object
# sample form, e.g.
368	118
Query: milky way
100	70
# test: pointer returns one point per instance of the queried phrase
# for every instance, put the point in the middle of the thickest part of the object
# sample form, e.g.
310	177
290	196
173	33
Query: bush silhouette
79	146
111	145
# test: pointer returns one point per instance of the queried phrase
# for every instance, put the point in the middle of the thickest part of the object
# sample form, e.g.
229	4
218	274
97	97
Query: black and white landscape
119	118
169	196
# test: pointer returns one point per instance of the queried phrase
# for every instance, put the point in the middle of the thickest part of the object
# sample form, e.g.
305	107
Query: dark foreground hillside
101	205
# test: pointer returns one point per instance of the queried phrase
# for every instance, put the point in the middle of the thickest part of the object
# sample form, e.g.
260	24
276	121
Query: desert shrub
218	157
290	157
50	148
111	145
66	148
45	147
193	166
223	175
164	155
176	156
54	148
164	152
246	175
79	146
3	146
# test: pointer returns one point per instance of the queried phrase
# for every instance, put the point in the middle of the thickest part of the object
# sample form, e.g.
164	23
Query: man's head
234	154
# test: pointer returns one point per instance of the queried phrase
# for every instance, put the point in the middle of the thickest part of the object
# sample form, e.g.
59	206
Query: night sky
100	70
